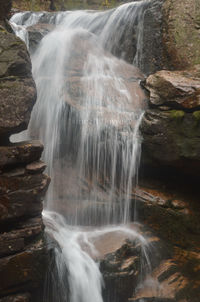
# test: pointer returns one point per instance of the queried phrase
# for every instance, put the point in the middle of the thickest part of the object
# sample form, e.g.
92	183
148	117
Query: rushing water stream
88	112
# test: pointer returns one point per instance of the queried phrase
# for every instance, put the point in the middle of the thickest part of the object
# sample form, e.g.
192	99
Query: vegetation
38	5
196	114
177	114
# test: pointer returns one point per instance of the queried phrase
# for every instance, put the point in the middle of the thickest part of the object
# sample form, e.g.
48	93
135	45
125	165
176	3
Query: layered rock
18	92
170	208
170	127
163	264
23	184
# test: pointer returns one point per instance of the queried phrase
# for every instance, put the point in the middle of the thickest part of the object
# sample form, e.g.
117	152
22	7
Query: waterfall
88	113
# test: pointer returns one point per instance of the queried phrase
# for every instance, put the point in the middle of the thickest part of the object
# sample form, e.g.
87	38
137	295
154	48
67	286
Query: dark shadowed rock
23	185
5	7
25	297
23	271
13	241
153	57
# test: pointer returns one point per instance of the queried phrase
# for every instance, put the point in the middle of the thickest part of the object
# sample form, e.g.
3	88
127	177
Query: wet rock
36	33
82	46
121	270
18	273
20	153
17	298
23	185
36	167
15	240
21	194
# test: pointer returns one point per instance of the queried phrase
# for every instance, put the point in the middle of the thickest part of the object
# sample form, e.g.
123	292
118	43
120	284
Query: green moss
177	114
196	115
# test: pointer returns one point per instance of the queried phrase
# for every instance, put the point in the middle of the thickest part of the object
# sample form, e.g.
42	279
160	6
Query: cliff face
170	126
181	29
22	181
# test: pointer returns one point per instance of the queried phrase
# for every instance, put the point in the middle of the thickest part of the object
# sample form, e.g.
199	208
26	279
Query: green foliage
39	5
177	114
196	115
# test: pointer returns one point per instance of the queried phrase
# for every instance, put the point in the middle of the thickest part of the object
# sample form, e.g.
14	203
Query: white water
88	118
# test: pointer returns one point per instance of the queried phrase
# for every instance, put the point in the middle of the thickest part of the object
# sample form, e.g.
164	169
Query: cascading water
87	114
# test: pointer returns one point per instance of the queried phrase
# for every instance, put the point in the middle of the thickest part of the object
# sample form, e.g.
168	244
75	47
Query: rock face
153	55
5	9
170	35
36	33
181	28
23	252
17	90
171	126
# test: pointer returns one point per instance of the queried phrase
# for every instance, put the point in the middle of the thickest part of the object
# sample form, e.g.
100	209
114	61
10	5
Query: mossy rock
196	115
177	114
181	32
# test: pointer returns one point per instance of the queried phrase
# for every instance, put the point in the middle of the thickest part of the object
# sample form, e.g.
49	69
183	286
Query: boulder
181	25
36	33
170	127
140	266
178	90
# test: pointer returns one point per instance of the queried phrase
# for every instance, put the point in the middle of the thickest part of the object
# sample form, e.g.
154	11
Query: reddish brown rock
23	185
5	7
16	240
23	271
20	153
21	194
36	167
174	89
17	298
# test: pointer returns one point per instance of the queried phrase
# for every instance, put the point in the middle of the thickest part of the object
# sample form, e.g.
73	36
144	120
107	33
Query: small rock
36	167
